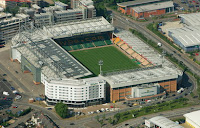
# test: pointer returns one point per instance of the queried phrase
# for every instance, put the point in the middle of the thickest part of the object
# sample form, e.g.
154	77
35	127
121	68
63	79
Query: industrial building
146	8
187	38
192	19
9	25
38	52
161	122
192	119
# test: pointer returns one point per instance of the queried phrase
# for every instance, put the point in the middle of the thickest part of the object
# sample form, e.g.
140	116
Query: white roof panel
194	117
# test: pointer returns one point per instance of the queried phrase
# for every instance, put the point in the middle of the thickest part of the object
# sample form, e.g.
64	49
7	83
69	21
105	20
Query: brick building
146	8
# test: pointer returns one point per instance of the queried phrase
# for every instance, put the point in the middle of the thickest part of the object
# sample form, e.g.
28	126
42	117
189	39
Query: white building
43	19
9	26
67	15
193	119
75	92
161	122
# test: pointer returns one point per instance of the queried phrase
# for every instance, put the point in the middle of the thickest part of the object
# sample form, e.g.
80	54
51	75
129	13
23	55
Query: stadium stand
108	42
129	51
120	43
84	41
139	59
124	47
117	40
88	45
99	43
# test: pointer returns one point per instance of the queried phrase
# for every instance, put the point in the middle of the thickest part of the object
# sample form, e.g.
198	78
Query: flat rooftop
135	2
188	35
164	122
78	27
192	18
140	76
194	117
154	6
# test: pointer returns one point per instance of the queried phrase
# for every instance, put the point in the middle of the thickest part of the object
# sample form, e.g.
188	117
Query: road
150	35
168	114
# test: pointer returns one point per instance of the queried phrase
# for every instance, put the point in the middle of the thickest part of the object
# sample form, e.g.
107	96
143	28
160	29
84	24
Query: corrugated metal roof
135	2
163	122
193	18
188	35
155	6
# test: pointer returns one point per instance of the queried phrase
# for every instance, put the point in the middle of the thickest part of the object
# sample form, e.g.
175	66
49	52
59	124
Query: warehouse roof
188	35
194	117
163	122
154	6
192	19
135	2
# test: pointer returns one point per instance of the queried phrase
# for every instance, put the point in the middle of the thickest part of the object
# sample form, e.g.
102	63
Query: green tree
110	120
62	110
101	122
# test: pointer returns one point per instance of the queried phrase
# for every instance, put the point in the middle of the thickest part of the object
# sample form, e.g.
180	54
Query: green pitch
113	59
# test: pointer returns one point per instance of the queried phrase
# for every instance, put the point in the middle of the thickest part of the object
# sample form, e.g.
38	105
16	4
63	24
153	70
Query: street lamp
100	64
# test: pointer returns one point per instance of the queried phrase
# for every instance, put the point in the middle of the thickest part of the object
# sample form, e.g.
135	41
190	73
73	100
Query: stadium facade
66	79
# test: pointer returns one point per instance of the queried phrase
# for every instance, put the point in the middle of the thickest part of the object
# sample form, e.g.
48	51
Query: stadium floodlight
100	64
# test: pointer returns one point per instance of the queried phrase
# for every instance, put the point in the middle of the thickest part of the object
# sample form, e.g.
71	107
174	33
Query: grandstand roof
154	6
78	27
135	2
54	61
194	117
192	18
140	76
164	122
142	48
187	36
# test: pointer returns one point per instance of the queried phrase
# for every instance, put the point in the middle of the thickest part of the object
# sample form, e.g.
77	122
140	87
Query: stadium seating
88	45
134	55
108	42
130	51
76	47
145	63
117	40
99	43
120	43
68	48
124	47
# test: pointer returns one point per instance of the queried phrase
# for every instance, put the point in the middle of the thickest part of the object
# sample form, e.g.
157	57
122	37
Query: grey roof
164	122
188	35
154	6
192	18
49	52
135	2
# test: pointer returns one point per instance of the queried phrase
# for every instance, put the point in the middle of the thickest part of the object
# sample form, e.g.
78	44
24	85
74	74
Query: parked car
15	106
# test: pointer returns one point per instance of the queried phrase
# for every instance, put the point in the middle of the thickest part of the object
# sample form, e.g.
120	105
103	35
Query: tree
110	120
104	117
101	122
62	110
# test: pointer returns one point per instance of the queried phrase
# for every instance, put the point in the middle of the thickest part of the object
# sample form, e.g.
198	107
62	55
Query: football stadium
65	58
